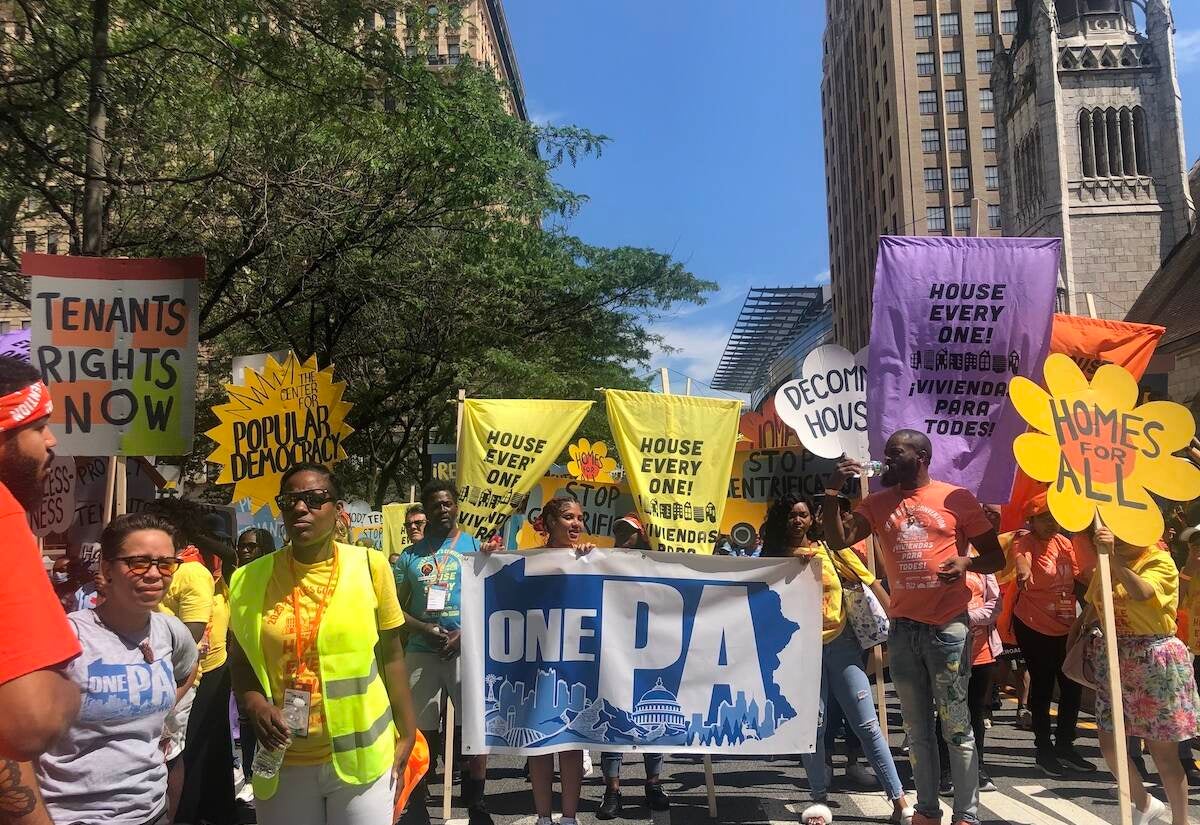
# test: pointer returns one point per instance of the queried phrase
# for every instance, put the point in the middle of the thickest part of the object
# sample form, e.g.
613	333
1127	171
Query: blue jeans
610	764
931	667
842	673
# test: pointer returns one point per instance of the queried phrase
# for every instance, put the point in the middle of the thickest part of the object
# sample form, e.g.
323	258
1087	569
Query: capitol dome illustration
658	706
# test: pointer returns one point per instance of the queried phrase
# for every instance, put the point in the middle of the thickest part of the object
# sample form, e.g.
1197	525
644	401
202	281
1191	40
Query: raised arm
837	536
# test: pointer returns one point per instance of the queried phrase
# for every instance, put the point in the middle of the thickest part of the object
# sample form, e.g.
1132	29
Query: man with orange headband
37	702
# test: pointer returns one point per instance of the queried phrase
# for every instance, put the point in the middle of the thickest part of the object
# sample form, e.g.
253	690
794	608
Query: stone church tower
1090	143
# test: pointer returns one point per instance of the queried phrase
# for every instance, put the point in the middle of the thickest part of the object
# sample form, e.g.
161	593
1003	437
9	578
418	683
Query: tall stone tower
1090	143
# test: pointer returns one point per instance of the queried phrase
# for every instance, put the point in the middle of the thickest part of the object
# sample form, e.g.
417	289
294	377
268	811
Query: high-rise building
910	134
1091	144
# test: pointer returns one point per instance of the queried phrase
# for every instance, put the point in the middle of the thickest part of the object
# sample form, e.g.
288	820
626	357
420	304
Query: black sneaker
985	782
417	814
610	807
1048	762
945	785
656	798
478	815
1072	758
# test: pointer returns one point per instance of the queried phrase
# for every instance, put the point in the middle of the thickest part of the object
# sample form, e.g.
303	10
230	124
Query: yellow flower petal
1038	455
600	449
1170	477
573	468
1070	509
1141	528
1179	427
1063	376
607	464
574	451
1115	387
1032	403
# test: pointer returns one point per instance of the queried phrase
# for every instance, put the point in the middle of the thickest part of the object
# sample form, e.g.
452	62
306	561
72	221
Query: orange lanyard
437	564
326	593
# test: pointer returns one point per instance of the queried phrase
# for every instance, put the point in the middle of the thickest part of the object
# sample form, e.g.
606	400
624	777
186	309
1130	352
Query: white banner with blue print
631	651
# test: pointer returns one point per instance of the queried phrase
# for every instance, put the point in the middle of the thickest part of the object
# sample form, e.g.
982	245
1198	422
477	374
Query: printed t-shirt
190	595
34	633
218	629
981	651
918	530
108	767
834	567
423	567
1156	615
1047	602
279	633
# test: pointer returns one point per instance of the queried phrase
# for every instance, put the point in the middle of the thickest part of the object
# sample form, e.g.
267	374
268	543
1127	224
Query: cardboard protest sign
290	412
365	522
115	339
954	321
443	462
602	504
827	404
504	448
56	512
141	483
678	451
591	461
1103	453
760	477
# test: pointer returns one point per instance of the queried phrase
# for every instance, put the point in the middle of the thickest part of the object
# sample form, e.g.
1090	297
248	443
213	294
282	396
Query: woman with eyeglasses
108	767
306	621
253	543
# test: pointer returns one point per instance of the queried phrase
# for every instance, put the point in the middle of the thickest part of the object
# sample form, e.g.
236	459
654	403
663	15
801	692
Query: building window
52	242
983	23
1113	143
960	178
935	218
453	52
983	60
5	327
962	219
31	242
923	25
925	64
991	176
989	138
933	180
987	100
389	20
993	216
927	103
956	140
949	25
952	63
26	324
410	50
1008	21
955	102
931	141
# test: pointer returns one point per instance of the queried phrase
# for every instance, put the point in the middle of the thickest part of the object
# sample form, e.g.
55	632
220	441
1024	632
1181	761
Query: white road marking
1064	808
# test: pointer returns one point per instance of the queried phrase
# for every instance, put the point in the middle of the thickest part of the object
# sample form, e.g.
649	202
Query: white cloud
544	117
1187	49
698	347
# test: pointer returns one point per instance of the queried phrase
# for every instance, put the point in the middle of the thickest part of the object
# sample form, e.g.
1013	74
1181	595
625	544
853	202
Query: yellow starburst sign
288	413
1101	451
591	462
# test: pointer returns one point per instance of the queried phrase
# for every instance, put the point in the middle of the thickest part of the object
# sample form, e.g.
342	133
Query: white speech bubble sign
57	510
827	404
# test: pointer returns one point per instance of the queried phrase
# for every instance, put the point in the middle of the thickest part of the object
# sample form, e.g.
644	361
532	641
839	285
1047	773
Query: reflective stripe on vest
358	713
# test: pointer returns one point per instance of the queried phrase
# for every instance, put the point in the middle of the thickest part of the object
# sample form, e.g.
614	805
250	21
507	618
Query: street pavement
775	791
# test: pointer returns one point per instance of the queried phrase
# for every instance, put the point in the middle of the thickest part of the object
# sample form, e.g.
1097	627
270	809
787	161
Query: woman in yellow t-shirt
1157	683
301	581
786	532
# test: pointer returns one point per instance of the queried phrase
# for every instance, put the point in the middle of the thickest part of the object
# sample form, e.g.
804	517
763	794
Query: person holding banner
1158	684
924	527
786	534
306	621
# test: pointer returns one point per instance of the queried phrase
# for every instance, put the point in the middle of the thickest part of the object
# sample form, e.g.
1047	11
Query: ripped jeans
842	673
931	667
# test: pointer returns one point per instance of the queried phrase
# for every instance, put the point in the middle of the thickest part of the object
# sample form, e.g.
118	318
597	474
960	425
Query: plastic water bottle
267	762
872	468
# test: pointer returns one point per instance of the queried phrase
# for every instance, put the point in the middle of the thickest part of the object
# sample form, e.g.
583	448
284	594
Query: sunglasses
247	545
140	565
313	499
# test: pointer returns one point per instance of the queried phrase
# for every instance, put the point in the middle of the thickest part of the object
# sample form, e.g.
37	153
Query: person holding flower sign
1158	686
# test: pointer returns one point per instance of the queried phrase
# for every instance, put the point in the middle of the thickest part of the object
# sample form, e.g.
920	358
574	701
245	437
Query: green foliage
353	202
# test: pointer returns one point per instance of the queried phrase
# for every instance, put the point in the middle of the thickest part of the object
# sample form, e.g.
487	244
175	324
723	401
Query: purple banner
15	344
954	320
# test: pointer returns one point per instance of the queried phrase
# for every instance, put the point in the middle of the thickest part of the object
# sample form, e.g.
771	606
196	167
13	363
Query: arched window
1141	144
1128	157
1113	128
1087	146
1100	139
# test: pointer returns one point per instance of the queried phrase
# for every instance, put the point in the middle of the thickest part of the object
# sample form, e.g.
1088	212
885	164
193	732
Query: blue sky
716	152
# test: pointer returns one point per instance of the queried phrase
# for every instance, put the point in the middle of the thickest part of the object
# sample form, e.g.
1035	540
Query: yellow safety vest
358	713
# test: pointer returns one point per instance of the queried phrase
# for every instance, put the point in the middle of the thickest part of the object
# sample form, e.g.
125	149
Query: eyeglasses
313	499
415	525
247	545
140	565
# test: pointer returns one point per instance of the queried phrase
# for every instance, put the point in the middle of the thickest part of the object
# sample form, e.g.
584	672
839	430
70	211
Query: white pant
318	796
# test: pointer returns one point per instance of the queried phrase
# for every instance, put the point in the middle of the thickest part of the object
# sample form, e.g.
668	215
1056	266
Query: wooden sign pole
1124	805
448	758
877	651
110	490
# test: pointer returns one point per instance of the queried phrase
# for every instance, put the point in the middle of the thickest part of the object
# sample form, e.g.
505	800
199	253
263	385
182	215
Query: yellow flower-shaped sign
591	462
1102	452
291	412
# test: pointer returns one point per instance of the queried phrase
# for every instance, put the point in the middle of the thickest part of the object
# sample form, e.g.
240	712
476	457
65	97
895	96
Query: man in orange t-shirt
924	528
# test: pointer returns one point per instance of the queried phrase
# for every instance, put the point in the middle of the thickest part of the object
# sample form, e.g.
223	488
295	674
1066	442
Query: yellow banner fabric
678	453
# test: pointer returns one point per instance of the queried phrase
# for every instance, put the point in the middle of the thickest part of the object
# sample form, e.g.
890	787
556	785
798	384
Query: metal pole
97	123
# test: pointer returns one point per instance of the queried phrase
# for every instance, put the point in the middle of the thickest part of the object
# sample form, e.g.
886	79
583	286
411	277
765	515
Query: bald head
906	459
918	441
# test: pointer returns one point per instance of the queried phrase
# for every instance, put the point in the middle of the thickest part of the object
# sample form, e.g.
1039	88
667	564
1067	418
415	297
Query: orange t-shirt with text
918	530
1047	602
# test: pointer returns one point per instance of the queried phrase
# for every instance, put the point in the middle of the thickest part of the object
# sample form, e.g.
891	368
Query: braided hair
775	528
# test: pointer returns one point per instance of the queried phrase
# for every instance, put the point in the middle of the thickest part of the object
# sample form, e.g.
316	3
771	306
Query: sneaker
588	769
417	814
1156	811
945	785
545	820
1072	758
479	815
567	820
610	807
985	782
1024	719
656	798
904	745
860	775
921	819
1048	762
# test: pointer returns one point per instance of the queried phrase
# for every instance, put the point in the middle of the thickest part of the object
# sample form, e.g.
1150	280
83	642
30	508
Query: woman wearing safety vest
306	620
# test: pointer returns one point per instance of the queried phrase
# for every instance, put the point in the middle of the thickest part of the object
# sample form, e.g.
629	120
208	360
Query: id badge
436	598
297	704
1066	607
